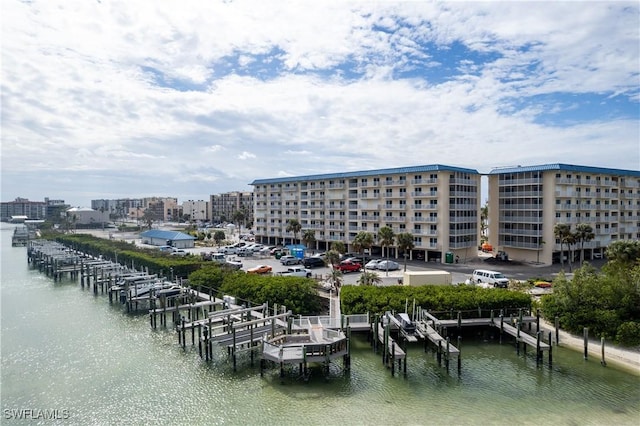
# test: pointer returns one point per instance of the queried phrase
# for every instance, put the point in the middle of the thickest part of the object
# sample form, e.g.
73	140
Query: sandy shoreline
623	358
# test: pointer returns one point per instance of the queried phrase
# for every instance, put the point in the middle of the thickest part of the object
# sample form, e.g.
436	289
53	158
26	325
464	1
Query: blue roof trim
397	170
565	167
166	235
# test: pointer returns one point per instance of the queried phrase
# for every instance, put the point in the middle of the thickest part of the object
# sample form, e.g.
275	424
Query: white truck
426	278
296	271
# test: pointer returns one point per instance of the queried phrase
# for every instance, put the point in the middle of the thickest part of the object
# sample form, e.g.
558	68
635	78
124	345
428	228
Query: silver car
387	265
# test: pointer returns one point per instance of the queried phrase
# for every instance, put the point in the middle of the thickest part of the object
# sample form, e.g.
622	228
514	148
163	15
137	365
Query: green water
65	349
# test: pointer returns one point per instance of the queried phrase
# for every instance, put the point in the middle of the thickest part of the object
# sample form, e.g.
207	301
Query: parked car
233	264
493	278
357	259
372	264
387	265
228	250
348	266
276	250
289	260
178	252
260	269
313	262
296	271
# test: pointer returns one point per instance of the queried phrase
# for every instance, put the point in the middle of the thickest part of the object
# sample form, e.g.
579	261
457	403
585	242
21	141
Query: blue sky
114	99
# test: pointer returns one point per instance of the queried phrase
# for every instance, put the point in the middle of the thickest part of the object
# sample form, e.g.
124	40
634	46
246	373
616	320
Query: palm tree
484	221
362	241
333	257
405	243
148	216
624	252
308	237
293	225
238	218
335	276
561	231
387	238
571	240
369	278
584	233
339	247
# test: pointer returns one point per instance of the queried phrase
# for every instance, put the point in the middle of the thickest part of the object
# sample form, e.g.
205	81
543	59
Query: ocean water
69	354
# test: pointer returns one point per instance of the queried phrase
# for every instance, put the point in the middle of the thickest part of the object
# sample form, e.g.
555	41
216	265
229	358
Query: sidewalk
627	359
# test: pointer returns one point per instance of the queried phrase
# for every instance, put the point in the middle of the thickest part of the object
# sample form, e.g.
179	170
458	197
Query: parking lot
460	272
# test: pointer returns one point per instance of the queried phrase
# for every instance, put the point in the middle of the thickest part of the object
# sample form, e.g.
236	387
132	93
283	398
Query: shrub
628	334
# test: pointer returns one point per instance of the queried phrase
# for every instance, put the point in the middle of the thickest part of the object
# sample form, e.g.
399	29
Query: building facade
224	206
526	203
196	210
33	210
439	205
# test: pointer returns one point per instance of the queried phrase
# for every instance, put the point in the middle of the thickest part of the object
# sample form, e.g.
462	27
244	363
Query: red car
348	266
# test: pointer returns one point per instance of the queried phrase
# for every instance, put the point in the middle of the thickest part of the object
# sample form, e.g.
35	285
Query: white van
494	278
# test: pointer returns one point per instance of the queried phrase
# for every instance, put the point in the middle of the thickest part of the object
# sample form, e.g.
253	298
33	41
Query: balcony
394	219
430	207
512	182
468	182
395	182
335	186
424	181
468	194
520	219
425	219
517	194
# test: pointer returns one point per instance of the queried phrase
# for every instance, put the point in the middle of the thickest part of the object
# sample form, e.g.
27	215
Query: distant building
157	237
86	216
196	210
162	208
33	210
223	206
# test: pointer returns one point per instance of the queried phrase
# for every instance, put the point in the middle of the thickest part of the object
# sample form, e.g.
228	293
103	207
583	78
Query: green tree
333	257
336	278
238	218
219	236
308	237
405	243
387	238
562	231
294	226
583	234
484	222
362	241
624	252
369	278
148	217
339	247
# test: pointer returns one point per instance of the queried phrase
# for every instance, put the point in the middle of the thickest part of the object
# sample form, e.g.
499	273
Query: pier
272	333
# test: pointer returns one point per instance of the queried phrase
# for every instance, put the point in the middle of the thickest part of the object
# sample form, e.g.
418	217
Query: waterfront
65	349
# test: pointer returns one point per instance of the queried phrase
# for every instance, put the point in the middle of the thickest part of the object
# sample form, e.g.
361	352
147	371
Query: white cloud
190	91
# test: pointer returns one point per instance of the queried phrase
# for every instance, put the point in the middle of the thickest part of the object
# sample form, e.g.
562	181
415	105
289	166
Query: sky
127	99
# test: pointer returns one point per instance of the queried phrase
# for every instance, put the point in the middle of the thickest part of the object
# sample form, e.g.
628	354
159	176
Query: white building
439	205
86	216
525	204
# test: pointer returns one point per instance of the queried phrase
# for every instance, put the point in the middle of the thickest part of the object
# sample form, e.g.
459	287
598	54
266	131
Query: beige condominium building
439	205
526	203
